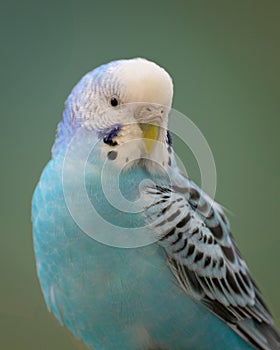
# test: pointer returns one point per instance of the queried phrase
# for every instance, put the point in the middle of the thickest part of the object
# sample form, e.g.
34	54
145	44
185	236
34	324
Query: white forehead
144	81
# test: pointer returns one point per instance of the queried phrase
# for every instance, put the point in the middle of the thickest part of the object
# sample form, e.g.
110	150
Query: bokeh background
224	58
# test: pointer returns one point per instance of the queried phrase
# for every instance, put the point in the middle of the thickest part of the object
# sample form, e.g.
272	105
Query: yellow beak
150	134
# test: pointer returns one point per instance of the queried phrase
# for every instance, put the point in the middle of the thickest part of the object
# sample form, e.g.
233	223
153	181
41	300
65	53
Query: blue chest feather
114	298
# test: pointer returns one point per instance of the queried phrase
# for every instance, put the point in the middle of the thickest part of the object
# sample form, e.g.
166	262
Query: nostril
149	109
161	111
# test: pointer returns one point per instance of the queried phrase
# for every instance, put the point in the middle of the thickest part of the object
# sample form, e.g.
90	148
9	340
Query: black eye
114	102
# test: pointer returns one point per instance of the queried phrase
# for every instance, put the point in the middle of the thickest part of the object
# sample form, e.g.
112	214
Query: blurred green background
224	58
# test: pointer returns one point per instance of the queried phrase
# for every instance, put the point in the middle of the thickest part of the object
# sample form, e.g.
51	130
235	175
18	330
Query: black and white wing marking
205	260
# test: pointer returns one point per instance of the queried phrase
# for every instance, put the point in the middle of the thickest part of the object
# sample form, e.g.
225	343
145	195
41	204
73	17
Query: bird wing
206	261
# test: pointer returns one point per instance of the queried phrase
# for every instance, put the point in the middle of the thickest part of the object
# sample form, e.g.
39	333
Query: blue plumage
152	296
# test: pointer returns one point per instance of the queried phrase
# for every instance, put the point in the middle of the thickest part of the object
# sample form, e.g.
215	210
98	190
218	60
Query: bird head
126	102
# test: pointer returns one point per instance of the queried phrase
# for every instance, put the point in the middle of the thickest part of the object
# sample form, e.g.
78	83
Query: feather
205	260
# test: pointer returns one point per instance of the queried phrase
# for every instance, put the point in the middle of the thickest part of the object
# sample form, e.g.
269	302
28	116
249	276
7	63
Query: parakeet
175	280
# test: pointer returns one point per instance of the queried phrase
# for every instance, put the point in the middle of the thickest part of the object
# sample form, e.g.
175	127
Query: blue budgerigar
175	280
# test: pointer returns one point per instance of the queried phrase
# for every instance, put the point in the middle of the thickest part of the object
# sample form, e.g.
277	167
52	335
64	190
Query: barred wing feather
203	256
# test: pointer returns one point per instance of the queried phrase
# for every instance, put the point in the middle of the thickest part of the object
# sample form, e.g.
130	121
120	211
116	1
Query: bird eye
114	101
